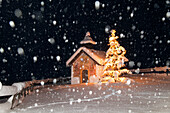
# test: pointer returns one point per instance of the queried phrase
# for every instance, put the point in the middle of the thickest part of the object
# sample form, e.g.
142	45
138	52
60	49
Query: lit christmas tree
114	60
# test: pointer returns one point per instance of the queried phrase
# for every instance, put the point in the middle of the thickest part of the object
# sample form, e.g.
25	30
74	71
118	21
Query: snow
149	93
132	14
156	62
90	92
107	29
4	60
58	58
42	83
133	27
79	100
35	104
143	95
97	5
51	40
8	90
9	48
139	64
120	17
66	40
18	13
12	24
20	51
0	85
131	63
168	14
2	50
119	91
128	82
33	16
128	8
75	80
103	5
137	70
35	58
142	32
46	25
54	22
64	37
168	41
163	19
167	2
54	81
19	86
42	3
5	108
122	35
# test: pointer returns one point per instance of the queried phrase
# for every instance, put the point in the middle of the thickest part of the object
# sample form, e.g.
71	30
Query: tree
114	59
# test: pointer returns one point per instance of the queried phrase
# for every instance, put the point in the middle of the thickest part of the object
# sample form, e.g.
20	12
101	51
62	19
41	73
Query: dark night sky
50	30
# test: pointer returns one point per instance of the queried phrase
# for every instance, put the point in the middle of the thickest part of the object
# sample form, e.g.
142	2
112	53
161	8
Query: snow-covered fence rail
28	87
164	69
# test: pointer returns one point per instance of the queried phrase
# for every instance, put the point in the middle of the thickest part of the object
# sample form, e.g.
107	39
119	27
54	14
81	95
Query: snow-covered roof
87	39
98	56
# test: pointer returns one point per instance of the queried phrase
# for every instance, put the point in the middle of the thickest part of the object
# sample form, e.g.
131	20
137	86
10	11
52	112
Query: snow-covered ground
8	90
148	94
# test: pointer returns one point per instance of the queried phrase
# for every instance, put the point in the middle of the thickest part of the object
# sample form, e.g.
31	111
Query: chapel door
84	76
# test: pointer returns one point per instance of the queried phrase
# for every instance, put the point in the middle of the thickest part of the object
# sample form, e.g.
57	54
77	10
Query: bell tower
88	41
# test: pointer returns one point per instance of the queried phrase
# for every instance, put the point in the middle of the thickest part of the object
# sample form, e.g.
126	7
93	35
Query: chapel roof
96	55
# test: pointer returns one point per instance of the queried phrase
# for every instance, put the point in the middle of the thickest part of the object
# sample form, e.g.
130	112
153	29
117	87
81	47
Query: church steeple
88	41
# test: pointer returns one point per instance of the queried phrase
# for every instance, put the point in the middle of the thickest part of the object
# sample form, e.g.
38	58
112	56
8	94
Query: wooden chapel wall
84	62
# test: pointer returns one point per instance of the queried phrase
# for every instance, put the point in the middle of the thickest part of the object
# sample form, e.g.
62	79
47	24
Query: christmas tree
114	59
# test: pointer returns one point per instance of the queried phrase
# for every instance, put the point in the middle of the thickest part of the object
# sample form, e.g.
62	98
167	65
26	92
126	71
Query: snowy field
148	94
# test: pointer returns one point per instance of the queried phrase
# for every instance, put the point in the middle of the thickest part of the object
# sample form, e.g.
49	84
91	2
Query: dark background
146	34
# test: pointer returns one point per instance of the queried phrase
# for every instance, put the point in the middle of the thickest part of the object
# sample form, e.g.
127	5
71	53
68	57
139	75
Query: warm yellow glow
122	79
114	60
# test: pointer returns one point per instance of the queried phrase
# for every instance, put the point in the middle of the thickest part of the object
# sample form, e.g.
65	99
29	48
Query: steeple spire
88	41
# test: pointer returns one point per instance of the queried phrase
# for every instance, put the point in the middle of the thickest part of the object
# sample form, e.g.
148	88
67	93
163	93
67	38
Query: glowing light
114	61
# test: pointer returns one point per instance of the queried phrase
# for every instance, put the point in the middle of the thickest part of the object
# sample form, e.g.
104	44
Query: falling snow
168	14
1	50
38	37
51	40
97	5
58	58
18	13
20	51
12	24
35	58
